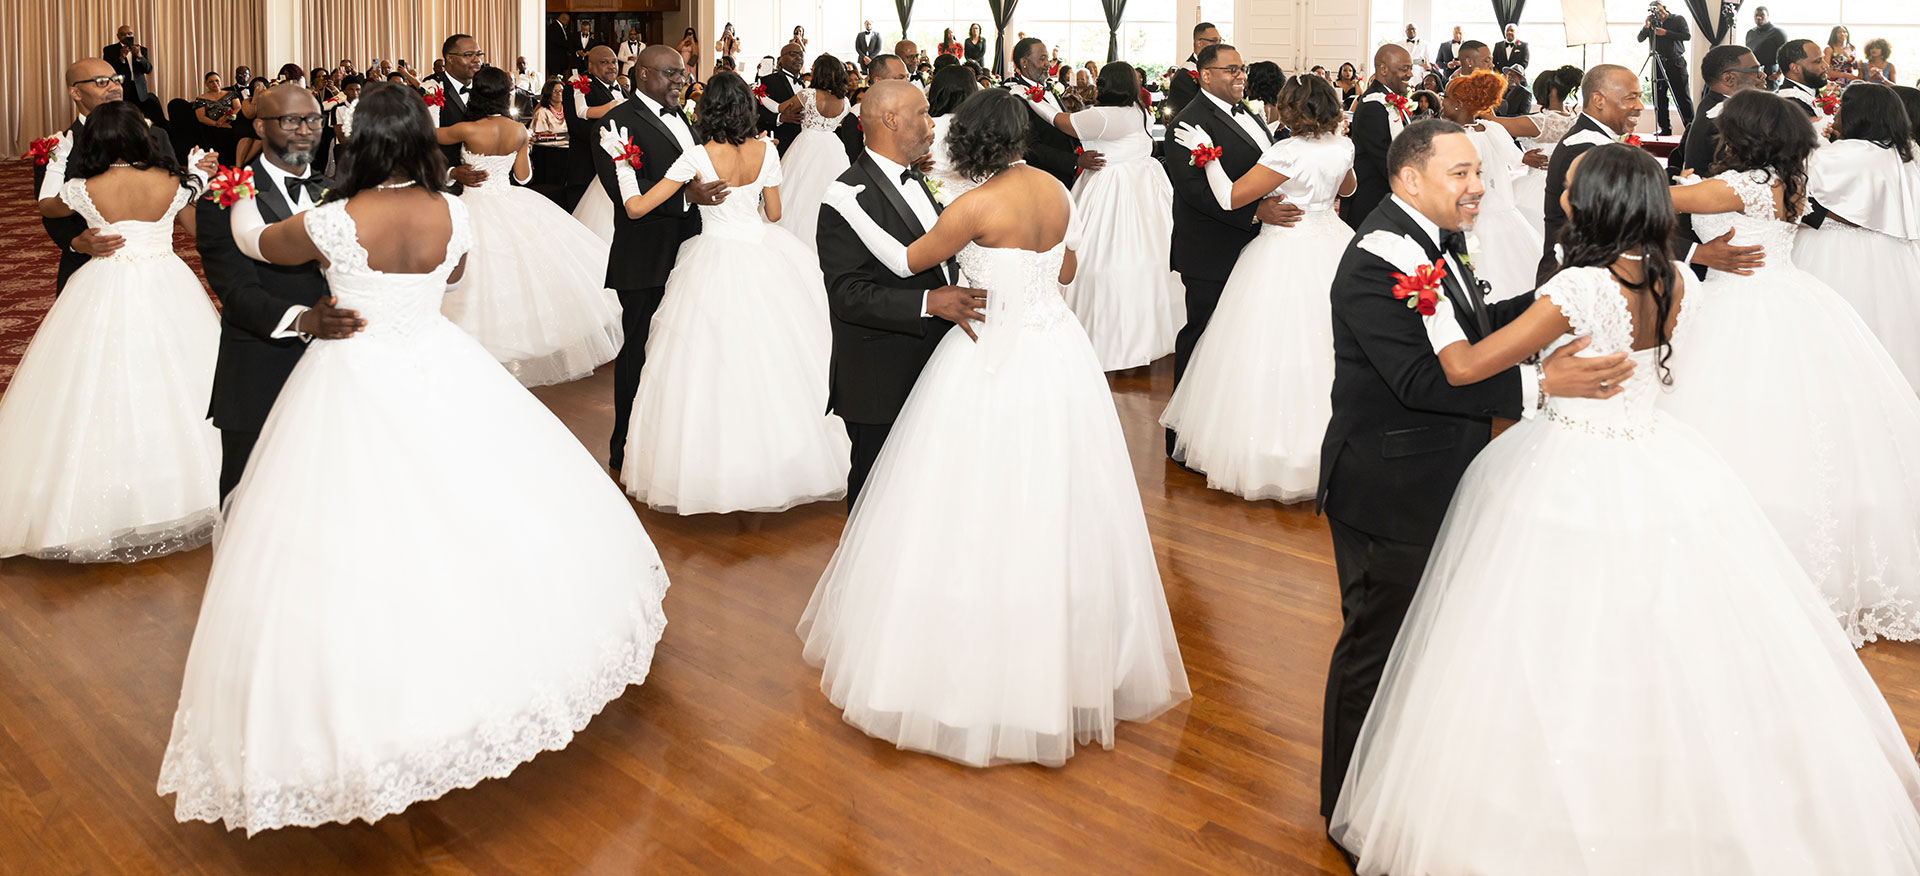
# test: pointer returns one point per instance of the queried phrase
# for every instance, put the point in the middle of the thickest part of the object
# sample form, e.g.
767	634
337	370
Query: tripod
1660	82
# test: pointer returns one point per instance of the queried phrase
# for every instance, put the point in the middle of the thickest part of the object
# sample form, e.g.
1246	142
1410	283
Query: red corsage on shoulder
1400	102
759	89
1421	290
1205	153
434	99
629	153
41	151
230	186
1036	94
580	84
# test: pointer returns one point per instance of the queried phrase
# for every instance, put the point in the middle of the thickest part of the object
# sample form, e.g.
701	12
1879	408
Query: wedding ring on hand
1603	384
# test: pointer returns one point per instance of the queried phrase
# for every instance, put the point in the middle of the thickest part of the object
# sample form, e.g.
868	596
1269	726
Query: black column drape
1507	12
1709	22
1002	16
1114	9
905	8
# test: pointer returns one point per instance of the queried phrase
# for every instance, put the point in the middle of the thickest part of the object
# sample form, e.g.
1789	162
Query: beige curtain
184	39
328	30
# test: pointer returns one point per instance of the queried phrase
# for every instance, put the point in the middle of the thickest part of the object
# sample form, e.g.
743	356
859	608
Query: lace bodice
1022	286
810	117
499	170
144	240
1590	299
1314	166
1553	125
394	305
1756	225
739	215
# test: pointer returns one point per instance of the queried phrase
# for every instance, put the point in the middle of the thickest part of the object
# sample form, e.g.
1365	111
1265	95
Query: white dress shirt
629	55
1529	381
1255	128
917	200
298	202
675	123
580	98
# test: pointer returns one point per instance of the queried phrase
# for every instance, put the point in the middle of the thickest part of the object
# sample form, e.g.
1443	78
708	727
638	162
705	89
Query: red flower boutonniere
230	186
1421	290
1194	74
1828	103
1204	154
1036	94
1400	102
629	153
1631	139
759	90
434	99
41	151
581	84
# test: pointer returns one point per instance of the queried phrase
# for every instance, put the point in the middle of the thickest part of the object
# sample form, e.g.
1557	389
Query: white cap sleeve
1281	158
684	168
770	170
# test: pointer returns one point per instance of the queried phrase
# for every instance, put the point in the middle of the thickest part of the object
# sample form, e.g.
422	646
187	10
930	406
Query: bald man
583	113
1375	123
130	60
90	83
781	84
885	327
908	52
1610	107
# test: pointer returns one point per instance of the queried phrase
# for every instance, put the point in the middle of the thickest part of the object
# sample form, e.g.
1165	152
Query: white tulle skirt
731	410
1507	252
1614	666
423	581
1877	274
595	211
534	293
1530	198
1051	624
815	159
1131	305
1253	406
106	453
1782	377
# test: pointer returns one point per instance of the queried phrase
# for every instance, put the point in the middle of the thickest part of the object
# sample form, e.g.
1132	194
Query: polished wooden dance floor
729	759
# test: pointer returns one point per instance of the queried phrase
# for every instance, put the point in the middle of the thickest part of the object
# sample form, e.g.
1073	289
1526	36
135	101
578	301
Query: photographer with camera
129	59
1670	33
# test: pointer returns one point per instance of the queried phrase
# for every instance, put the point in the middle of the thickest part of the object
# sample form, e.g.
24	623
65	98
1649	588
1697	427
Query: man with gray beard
267	312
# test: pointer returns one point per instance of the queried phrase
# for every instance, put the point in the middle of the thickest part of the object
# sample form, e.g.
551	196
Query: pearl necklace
398	185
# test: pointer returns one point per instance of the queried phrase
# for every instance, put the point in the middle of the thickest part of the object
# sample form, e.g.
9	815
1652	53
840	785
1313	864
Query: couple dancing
1610	661
995	597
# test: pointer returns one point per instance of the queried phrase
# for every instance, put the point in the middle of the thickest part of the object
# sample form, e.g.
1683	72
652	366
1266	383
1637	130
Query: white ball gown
731	410
815	158
1051	625
1252	409
534	293
1613	665
106	453
1875	262
423	581
595	211
1793	389
1123	292
1504	247
1530	188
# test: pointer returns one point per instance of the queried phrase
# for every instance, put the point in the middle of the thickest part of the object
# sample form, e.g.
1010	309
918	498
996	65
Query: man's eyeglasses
1232	69
669	73
1754	69
100	81
1207	41
470	56
294	123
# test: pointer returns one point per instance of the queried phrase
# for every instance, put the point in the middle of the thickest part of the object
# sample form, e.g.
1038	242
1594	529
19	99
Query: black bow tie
667	112
1454	242
911	173
1240	109
310	184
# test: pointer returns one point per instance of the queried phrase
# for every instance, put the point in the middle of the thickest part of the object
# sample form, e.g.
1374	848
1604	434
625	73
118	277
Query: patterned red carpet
26	285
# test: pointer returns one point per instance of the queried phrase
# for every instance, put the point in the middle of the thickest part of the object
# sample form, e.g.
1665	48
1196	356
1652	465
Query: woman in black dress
975	45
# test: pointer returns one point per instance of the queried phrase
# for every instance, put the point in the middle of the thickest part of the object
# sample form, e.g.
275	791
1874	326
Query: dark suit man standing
560	61
1670	34
643	249
885	327
1185	82
1375	121
1048	148
1401	436
462	56
1511	52
866	46
1446	61
1765	39
583	111
1206	239
782	84
131	61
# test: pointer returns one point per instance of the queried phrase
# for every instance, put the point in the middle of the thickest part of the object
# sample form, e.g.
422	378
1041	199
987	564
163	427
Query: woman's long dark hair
830	76
488	97
948	88
118	131
989	133
728	113
1117	86
392	137
1761	131
1620	202
1875	114
1910	98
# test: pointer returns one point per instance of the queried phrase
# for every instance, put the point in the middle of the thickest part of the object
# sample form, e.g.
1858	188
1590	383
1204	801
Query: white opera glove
194	157
629	183
56	168
248	225
1220	185
891	253
769	104
1443	330
1190	136
613	140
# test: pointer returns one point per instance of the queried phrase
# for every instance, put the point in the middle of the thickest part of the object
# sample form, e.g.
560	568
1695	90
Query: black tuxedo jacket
779	90
1206	239
135	70
254	297
866	44
1401	436
880	340
452	112
583	135
644	249
559	49
1563	156
1798	95
1184	85
1507	54
1372	134
1442	58
1048	147
64	229
854	139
